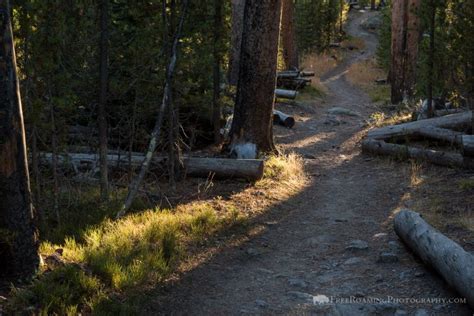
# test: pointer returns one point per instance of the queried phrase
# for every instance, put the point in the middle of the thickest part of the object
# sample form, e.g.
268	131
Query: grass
108	264
310	93
364	75
466	184
354	43
380	119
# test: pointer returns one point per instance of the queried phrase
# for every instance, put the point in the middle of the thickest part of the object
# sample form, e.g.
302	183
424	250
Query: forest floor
328	239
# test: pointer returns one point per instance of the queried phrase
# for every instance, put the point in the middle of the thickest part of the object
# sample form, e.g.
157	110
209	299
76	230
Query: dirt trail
303	251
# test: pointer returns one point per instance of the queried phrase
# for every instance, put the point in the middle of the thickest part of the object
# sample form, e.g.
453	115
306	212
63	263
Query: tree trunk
413	34
18	236
238	7
431	58
372	5
405	42
449	259
288	36
397	73
103	84
251	131
216	106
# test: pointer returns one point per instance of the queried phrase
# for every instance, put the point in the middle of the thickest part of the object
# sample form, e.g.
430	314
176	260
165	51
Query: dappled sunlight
312	140
336	77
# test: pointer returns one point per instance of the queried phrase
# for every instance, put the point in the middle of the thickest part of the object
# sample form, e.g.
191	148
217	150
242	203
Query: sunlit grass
104	266
380	119
364	74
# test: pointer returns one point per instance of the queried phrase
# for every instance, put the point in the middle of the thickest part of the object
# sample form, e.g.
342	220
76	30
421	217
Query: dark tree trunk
216	107
405	40
18	236
397	75
236	41
251	131
288	36
372	5
413	40
431	58
102	114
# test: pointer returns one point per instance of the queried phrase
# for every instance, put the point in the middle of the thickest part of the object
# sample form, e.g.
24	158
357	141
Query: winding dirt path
303	251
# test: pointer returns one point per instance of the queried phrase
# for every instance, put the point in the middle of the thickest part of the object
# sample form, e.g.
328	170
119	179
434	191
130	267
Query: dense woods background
58	46
92	75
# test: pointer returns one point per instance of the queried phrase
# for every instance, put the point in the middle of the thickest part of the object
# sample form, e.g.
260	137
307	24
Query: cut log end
468	145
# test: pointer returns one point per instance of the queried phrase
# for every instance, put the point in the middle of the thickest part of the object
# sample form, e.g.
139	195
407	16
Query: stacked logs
446	129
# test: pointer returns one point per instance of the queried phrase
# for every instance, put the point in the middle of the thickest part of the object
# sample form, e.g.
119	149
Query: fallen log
442	134
449	259
307	74
468	145
286	94
380	147
283	119
250	169
293	84
289	74
458	120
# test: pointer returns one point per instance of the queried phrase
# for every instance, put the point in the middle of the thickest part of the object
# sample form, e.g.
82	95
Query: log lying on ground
294	83
250	169
458	120
286	94
380	147
448	258
289	74
292	74
283	119
442	134
468	145
307	74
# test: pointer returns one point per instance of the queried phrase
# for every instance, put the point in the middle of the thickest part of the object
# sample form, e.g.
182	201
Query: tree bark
413	36
155	135
216	106
431	58
397	73
288	36
18	235
251	132
238	7
449	259
103	84
405	42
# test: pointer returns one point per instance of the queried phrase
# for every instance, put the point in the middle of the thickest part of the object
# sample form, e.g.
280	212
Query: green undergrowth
105	268
379	94
310	93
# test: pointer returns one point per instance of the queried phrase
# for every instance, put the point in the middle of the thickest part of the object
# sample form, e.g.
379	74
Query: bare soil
300	248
